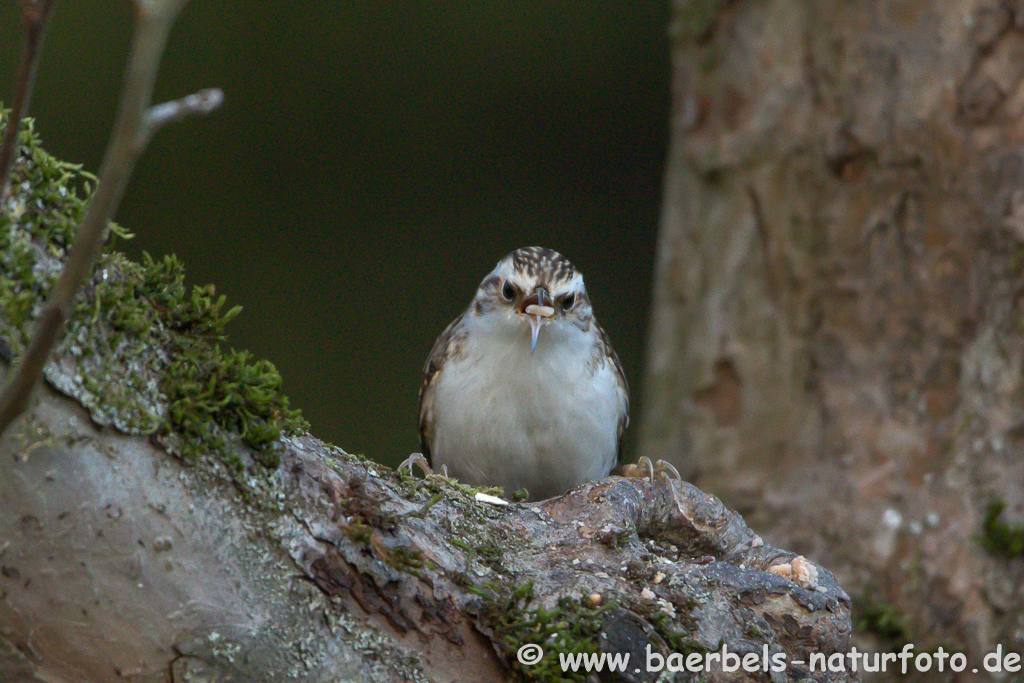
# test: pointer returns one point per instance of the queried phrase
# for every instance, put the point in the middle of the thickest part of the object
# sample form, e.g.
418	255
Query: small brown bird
523	390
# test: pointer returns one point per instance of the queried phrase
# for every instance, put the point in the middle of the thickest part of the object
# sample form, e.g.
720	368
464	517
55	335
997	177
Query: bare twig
35	14
202	102
136	121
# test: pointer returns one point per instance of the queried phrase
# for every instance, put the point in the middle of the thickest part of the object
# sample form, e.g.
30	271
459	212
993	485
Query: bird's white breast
545	422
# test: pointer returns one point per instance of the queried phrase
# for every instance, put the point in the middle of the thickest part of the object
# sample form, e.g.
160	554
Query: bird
523	390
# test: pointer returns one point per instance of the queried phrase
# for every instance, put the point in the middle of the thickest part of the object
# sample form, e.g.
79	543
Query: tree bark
836	343
120	563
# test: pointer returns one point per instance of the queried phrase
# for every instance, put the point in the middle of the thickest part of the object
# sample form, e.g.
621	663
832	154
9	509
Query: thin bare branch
134	124
202	102
35	15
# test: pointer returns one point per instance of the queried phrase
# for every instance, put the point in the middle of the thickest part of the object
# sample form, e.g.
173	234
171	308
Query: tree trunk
836	345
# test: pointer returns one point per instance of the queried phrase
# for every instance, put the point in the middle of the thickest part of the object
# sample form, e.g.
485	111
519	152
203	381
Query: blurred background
371	164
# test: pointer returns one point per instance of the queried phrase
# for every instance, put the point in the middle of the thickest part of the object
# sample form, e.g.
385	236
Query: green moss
463	546
227	393
491	555
407	559
677	631
880	619
440	485
47	200
998	537
48	196
422	512
572	627
143	352
158	343
359	532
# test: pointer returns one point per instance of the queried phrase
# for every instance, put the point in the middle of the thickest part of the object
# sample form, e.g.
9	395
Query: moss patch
881	620
572	627
46	201
143	352
998	537
677	631
214	398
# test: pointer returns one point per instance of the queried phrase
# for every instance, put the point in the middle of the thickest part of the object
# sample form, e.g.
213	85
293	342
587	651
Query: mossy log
121	562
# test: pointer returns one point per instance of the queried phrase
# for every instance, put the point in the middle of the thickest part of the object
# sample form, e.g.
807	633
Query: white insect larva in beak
543	311
536	314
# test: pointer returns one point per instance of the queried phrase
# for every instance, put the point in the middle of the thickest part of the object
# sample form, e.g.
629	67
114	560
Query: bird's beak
537	312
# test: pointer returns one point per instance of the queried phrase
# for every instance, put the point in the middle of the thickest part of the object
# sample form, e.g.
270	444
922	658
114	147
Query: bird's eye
508	291
568	301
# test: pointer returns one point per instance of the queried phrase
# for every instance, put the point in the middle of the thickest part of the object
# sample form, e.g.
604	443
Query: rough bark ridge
119	563
837	344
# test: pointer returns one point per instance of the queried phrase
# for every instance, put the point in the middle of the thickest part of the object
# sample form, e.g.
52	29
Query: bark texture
837	341
119	563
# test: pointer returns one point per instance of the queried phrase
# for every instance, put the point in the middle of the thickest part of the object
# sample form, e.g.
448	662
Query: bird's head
536	287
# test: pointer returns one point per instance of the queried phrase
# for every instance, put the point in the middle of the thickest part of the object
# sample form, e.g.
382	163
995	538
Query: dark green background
371	164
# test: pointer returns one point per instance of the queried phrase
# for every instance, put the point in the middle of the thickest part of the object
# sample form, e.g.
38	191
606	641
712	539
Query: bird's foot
645	469
421	462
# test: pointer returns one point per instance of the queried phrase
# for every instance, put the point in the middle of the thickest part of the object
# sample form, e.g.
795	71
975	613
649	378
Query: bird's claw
645	469
415	459
421	462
